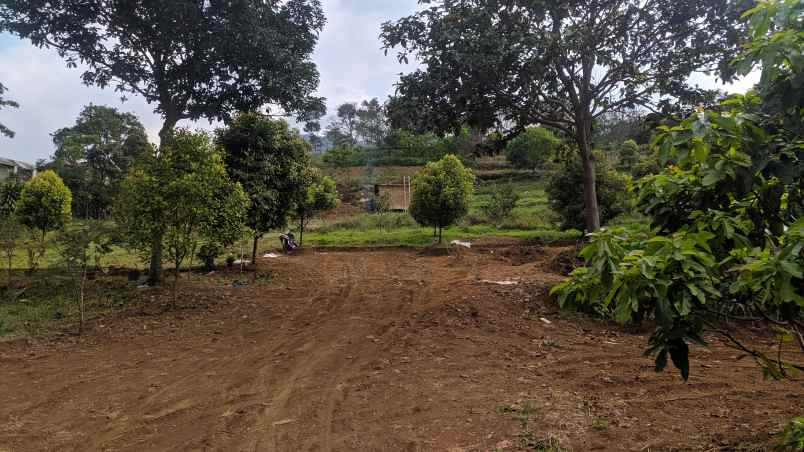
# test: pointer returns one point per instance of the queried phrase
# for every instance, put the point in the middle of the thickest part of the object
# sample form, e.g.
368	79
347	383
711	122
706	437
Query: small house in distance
396	195
10	169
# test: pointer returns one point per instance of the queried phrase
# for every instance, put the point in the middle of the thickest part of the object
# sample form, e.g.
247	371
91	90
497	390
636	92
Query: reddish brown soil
387	350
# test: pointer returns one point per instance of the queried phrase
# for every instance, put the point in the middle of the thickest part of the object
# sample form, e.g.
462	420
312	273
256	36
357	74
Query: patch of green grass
418	236
49	304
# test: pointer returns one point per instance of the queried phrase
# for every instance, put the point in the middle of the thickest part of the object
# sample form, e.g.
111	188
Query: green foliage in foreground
729	217
707	264
792	438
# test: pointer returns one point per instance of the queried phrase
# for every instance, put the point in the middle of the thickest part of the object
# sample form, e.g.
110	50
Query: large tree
191	59
186	194
372	125
507	64
269	160
5	131
95	154
343	130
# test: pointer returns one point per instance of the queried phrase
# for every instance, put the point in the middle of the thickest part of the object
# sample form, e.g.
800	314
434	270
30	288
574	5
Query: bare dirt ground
383	350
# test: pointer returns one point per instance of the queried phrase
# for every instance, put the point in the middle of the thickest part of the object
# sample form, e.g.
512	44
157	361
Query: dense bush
629	155
532	148
502	202
269	160
441	193
184	196
565	192
44	203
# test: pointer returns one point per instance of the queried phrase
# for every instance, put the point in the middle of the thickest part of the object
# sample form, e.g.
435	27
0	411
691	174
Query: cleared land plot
376	350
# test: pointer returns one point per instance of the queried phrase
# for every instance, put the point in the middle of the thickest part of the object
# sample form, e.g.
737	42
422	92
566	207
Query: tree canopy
269	160
441	193
532	148
318	194
504	65
190	59
5	103
185	195
94	155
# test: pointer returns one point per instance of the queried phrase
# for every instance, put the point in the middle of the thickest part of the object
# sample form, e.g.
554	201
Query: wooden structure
398	195
13	169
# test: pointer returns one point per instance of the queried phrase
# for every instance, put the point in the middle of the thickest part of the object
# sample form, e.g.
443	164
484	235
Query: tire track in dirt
372	350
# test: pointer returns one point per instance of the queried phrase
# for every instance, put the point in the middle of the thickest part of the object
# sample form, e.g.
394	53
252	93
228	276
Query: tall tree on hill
94	155
343	131
190	59
562	64
372	125
4	103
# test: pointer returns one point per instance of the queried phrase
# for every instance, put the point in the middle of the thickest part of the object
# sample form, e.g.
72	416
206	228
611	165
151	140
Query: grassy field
531	220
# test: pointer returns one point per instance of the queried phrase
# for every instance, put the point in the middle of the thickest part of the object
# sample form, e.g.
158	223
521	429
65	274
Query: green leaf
679	353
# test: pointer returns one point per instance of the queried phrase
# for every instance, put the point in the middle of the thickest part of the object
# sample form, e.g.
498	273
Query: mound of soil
376	350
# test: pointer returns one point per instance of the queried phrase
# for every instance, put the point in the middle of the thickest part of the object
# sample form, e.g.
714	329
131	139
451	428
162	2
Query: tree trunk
301	231
254	250
175	286
440	234
591	208
155	269
81	300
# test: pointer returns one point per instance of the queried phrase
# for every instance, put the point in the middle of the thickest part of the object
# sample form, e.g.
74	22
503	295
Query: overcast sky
349	57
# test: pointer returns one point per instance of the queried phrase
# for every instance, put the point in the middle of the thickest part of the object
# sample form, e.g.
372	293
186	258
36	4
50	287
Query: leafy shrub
207	253
441	193
502	202
44	203
318	194
565	192
532	148
792	438
628	155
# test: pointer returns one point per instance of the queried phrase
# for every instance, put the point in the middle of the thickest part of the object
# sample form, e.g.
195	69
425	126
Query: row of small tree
197	192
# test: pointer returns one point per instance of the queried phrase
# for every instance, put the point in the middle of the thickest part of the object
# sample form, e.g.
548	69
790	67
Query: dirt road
377	351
